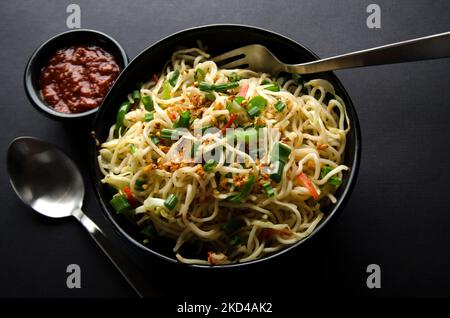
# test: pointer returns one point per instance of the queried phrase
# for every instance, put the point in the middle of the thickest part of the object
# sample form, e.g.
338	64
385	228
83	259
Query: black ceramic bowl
218	39
43	54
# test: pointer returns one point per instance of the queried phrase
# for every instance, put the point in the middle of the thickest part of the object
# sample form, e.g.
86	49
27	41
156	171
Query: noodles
236	163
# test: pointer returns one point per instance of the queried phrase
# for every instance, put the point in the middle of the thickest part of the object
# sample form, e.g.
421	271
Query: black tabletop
397	216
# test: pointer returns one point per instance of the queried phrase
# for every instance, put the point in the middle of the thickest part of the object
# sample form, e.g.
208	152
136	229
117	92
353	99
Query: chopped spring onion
207	87
279	106
171	201
278	168
169	133
239	99
235	240
199	74
138	184
154	139
280	152
297	79
183	121
149	231
269	190
174	78
210	96
119	203
133	149
149	116
273	88
209	165
231	226
136	95
257	101
123	110
148	102
167	88
334	180
226	86
254	111
245	191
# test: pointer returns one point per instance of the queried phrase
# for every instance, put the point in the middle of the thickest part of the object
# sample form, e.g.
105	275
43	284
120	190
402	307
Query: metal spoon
49	182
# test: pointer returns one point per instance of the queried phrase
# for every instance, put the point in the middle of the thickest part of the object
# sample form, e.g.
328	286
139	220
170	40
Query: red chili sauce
76	79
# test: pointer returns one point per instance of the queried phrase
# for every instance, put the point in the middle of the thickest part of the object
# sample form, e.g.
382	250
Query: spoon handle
124	264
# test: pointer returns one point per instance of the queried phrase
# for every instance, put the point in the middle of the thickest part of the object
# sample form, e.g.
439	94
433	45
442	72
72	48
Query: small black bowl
43	54
219	39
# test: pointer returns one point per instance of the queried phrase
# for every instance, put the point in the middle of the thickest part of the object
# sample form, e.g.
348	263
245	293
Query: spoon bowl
50	183
44	177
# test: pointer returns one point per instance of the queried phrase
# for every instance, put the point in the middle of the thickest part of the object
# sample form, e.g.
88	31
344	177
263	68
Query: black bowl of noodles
217	39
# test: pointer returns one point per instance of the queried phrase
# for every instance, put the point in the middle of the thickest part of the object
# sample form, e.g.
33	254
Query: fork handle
429	47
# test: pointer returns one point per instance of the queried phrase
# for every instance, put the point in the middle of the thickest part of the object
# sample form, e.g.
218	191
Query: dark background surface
398	216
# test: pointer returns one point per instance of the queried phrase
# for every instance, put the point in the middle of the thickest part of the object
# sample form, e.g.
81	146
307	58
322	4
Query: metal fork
258	58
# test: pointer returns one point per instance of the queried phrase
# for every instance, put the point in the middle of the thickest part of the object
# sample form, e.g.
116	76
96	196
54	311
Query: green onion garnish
245	191
231	226
210	96
254	111
297	79
183	121
273	88
149	231
334	180
224	87
258	101
235	240
133	149
199	74
154	139
205	86
325	170
279	106
119	203
171	201
149	116
239	99
138	184
169	133
123	110
280	152
278	168
148	102
209	165
269	190
136	95
174	78
167	88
